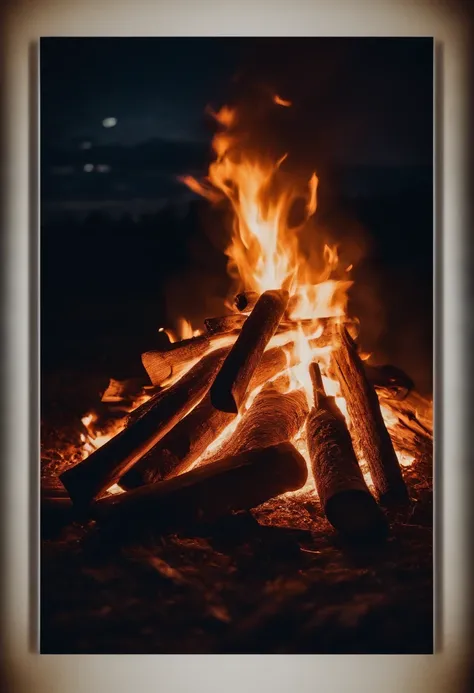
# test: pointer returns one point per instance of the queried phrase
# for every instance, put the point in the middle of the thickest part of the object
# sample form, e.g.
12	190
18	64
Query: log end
223	400
157	368
246	300
356	514
296	467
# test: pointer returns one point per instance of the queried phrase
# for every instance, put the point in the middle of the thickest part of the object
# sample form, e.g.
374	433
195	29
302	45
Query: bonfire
272	399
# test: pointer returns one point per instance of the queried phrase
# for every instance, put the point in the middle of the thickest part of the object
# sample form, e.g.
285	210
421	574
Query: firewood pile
227	429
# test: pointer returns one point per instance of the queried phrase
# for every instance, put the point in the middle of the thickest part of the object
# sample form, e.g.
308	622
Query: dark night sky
154	87
362	118
355	102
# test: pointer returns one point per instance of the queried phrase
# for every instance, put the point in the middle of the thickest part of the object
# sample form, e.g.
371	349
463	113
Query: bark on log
367	423
140	410
225	323
345	498
190	438
390	384
163	364
207	493
231	383
273	418
104	467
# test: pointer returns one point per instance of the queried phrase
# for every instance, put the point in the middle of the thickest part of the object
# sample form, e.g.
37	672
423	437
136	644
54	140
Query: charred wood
231	383
104	467
367	423
206	493
190	438
225	323
245	301
162	364
272	418
411	422
345	498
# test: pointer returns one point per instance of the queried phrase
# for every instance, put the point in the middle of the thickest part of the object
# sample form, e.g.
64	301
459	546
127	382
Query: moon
109	122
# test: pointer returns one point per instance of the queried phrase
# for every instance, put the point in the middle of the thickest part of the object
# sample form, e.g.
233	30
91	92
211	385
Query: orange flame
94	438
281	102
264	250
183	330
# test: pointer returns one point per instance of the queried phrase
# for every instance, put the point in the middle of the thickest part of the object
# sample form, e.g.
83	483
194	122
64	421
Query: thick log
225	323
367	423
231	323
190	438
273	418
140	410
230	386
345	498
206	493
104	467
163	364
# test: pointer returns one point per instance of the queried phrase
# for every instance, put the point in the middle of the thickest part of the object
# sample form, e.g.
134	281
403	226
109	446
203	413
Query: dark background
126	249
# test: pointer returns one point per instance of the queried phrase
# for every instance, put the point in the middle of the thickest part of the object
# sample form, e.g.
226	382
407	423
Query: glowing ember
93	439
389	417
281	102
404	458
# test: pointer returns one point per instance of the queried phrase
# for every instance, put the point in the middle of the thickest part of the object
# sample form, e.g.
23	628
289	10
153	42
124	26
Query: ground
276	580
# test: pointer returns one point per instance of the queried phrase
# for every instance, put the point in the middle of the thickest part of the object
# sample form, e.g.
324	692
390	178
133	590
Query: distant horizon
139	107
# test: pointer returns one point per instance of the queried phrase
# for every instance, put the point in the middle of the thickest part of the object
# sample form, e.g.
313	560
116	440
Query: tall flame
264	250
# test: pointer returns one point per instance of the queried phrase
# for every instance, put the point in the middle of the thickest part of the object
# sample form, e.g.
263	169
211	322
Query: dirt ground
274	580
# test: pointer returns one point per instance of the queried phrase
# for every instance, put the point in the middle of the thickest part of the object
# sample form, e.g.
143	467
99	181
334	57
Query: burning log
231	383
343	493
368	425
410	422
189	439
226	323
207	493
162	364
415	410
231	323
245	301
140	410
392	381
104	467
273	418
